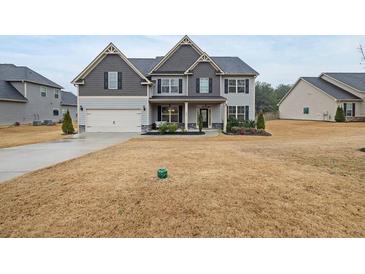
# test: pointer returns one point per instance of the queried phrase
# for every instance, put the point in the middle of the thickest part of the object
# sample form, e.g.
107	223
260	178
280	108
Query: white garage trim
113	120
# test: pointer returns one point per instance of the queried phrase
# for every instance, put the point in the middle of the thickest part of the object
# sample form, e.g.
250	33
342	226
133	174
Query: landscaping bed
174	133
248	131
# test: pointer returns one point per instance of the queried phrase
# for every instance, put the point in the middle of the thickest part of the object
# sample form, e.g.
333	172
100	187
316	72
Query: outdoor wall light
144	108
81	108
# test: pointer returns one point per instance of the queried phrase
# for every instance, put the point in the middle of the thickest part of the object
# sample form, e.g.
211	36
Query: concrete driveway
15	161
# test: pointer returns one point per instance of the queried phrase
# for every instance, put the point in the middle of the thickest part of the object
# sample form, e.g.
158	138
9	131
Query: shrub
340	115
16	124
261	121
249	124
232	122
154	126
67	126
172	127
200	122
163	128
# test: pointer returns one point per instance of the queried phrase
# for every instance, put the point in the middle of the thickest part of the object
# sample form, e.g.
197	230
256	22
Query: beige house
317	98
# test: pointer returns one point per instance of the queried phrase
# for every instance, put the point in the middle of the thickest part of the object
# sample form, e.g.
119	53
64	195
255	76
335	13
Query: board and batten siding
113	103
131	81
305	95
180	60
242	99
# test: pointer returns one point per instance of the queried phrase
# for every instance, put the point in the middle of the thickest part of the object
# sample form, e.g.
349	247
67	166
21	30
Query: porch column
225	118
186	116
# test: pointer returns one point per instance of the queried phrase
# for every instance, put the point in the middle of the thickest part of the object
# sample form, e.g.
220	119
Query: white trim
110	49
184	41
25	89
186	118
40	90
13	100
200	85
114	97
78	107
169	106
204	58
57	91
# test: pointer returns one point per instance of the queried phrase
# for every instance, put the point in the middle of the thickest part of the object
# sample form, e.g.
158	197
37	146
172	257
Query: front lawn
307	180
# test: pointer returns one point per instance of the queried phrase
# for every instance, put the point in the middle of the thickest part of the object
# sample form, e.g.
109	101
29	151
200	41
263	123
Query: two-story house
120	94
26	96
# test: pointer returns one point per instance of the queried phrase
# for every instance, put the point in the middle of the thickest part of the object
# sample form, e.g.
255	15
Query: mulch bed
175	133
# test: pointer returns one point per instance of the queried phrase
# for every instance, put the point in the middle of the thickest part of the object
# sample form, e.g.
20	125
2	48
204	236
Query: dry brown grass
27	134
305	181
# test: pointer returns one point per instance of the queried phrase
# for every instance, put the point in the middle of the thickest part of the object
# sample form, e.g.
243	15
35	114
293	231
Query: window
56	94
241	86
306	110
241	113
231	111
232	86
348	109
204	85
64	111
112	80
170	114
43	91
56	112
174	85
165	86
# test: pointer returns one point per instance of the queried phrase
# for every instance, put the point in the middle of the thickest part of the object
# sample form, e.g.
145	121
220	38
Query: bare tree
362	51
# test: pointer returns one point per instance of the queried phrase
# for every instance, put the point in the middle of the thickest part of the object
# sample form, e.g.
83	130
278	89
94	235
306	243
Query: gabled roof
68	98
110	49
335	92
352	79
233	65
13	73
330	89
184	41
204	58
9	93
145	65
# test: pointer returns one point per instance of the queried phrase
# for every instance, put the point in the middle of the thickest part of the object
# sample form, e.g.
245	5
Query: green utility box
162	173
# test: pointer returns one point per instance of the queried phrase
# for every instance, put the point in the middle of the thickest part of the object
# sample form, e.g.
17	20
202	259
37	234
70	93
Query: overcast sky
278	59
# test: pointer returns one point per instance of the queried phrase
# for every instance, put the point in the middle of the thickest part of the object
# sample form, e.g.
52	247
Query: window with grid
241	86
112	80
231	111
232	86
43	91
204	85
241	113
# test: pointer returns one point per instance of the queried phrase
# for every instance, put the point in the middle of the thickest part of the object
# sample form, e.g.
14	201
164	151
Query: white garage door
113	120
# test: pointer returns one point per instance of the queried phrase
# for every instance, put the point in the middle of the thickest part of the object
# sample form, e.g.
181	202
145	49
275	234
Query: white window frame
56	91
236	85
242	114
169	113
234	113
347	109
114	73
170	85
43	89
200	85
242	86
58	112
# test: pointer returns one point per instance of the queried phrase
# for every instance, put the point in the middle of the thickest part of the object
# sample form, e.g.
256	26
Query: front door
204	114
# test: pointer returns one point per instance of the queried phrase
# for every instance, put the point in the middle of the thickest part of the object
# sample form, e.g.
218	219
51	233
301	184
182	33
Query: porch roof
191	99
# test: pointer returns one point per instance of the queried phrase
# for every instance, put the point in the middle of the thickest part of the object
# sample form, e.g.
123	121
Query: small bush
200	122
67	126
232	122
340	115
163	128
172	127
16	124
154	126
261	121
249	124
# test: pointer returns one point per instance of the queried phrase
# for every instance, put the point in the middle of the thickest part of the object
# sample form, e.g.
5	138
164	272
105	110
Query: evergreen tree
261	121
67	126
340	115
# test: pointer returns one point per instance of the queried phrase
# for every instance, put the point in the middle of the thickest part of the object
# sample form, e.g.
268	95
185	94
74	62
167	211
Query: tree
261	121
281	91
200	122
267	98
340	115
67	126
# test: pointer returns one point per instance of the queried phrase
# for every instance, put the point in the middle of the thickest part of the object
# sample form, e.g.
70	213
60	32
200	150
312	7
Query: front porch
186	112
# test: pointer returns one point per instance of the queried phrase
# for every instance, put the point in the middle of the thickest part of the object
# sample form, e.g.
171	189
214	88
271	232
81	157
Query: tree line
267	97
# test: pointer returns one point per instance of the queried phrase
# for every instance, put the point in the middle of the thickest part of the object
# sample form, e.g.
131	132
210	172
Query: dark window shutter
247	86
180	85
344	108
119	80
225	85
197	85
353	109
106	80
247	113
159	113
159	86
180	114
210	85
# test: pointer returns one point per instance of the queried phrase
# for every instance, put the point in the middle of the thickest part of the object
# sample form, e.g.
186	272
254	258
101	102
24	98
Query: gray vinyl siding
131	81
19	86
180	60
204	70
113	103
72	110
37	107
242	99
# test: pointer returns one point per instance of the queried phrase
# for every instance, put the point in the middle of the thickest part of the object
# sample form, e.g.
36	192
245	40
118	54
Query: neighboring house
120	94
69	102
26	96
317	98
